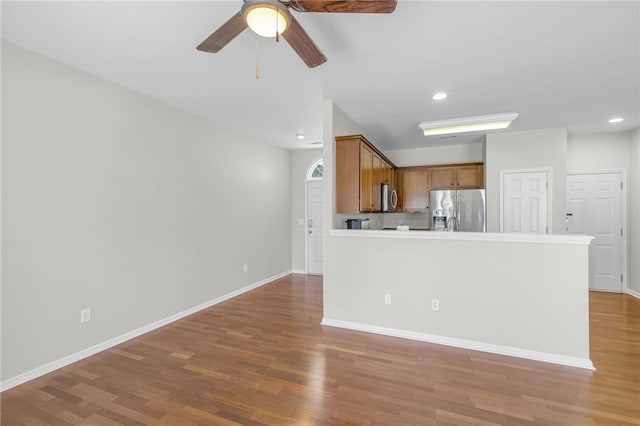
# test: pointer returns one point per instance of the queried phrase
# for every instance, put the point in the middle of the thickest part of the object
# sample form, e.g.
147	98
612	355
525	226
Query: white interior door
525	202
594	207
314	227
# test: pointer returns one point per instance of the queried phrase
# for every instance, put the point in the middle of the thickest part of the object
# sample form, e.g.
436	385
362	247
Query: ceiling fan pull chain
257	45
277	21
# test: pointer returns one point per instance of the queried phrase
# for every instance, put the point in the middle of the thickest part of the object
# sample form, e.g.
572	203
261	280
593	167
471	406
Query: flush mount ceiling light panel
468	124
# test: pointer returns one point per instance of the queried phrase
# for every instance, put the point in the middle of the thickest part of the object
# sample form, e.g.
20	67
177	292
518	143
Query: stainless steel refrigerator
458	210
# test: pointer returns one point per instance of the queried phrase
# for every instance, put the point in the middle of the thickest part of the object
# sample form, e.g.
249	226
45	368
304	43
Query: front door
594	207
314	227
524	202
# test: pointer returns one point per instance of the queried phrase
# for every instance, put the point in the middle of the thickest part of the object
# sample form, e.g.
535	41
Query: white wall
496	295
301	160
335	123
449	154
634	213
531	149
114	201
606	151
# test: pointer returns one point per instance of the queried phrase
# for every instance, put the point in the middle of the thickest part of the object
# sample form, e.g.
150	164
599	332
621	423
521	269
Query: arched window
315	171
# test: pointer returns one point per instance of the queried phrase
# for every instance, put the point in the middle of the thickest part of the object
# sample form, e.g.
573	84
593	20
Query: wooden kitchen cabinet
415	188
366	178
467	176
415	183
360	169
388	176
470	177
443	178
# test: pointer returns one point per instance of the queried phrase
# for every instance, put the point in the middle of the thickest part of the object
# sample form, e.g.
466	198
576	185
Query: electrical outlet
435	304
85	315
387	299
245	267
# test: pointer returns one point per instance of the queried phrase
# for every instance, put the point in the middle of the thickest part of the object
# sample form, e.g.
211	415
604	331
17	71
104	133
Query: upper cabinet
360	169
470	176
415	183
414	191
366	179
464	176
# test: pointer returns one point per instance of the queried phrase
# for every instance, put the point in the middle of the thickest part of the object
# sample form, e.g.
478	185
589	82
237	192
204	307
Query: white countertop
464	236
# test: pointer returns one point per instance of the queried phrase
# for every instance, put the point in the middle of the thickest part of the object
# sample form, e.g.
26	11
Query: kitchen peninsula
500	293
520	295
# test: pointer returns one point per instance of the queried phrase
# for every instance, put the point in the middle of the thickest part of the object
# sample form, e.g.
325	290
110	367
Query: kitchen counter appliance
357	223
458	210
388	198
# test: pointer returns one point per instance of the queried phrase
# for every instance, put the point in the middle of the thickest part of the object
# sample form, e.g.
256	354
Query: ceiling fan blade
223	35
300	41
344	6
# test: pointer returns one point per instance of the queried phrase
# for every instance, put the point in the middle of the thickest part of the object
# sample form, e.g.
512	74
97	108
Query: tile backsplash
414	220
388	220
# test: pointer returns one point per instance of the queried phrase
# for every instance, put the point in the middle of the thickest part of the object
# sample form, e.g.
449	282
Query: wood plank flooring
262	358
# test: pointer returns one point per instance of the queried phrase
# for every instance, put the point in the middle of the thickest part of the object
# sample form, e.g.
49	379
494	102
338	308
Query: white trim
549	172
299	271
465	344
85	353
624	219
465	236
633	293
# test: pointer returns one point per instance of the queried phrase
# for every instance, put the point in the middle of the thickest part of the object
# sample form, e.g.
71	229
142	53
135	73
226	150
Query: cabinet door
366	178
378	177
415	189
391	176
347	168
443	178
470	177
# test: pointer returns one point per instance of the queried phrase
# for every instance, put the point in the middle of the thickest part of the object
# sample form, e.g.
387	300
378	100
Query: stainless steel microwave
388	198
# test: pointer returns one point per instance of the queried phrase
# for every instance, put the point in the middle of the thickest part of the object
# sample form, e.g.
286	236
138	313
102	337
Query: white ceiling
559	64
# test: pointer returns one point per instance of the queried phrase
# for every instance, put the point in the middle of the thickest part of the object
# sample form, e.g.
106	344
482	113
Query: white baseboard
465	344
299	271
70	359
633	293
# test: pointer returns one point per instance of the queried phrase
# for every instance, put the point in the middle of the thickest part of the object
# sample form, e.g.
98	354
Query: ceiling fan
272	18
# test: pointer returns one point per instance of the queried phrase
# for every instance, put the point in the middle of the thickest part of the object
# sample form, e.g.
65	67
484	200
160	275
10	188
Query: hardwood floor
262	358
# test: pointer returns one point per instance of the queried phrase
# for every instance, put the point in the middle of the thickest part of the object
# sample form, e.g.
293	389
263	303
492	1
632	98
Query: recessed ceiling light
616	120
300	136
440	96
468	124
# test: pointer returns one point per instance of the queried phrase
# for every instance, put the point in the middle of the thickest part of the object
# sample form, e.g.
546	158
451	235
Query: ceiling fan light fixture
468	124
266	18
